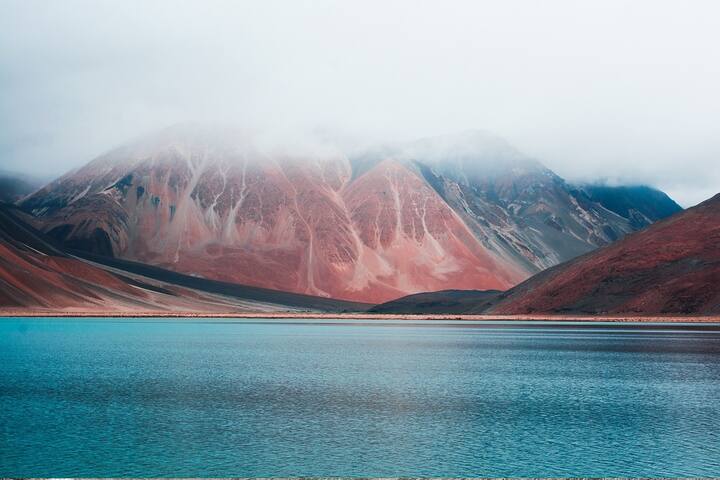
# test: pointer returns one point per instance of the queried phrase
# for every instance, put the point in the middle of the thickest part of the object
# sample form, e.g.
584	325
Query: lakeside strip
363	316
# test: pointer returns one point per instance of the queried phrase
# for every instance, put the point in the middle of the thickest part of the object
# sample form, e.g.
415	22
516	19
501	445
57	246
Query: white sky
627	91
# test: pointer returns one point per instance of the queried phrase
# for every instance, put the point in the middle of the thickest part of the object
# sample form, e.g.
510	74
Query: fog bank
614	90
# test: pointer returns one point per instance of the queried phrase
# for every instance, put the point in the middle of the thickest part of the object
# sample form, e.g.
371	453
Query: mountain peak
457	211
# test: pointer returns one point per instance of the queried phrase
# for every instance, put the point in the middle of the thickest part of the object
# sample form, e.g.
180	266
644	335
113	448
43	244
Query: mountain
37	275
456	212
14	187
672	267
34	274
640	204
517	208
213	204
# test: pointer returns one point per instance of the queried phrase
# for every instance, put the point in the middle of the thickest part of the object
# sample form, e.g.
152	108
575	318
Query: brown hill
672	267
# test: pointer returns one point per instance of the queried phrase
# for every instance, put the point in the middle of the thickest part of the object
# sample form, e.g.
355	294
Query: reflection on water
111	398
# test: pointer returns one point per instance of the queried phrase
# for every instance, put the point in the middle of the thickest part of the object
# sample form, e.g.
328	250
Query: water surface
192	398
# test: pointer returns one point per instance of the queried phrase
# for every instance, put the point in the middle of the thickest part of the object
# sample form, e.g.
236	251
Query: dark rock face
459	212
14	187
672	267
641	205
96	241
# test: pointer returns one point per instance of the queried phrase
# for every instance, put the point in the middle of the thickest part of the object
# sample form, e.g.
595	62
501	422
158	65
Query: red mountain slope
455	212
36	276
31	279
411	240
671	267
214	205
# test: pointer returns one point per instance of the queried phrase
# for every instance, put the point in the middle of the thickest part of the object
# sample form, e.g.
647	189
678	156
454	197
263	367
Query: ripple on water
194	399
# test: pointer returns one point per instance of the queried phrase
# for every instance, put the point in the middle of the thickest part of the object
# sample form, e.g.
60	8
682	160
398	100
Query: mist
622	92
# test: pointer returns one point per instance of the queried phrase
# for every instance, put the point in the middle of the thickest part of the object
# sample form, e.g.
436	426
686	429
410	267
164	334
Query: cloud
612	89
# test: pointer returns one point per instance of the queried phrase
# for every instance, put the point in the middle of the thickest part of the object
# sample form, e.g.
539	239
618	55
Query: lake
108	397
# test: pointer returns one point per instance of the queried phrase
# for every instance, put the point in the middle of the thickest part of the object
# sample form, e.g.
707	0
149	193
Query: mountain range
463	212
195	219
671	267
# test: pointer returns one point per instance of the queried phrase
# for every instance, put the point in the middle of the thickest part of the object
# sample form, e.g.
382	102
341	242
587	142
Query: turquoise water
117	398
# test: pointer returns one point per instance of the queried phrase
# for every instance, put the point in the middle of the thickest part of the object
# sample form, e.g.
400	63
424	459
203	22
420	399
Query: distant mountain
640	204
456	212
672	267
14	187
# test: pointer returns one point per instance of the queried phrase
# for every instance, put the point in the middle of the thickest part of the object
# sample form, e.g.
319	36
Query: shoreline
366	316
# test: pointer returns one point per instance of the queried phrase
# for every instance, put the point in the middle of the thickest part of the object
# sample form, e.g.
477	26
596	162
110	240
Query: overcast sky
627	91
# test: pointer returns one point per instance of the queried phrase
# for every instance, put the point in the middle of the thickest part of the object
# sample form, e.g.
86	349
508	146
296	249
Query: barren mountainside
34	275
672	267
37	275
457	212
515	206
